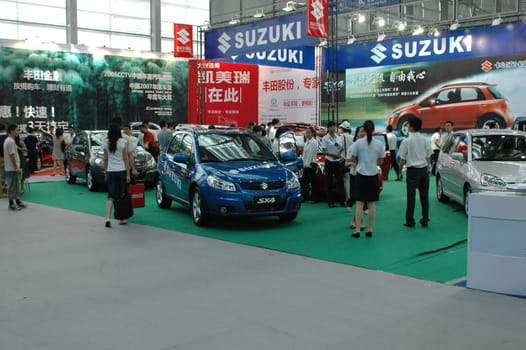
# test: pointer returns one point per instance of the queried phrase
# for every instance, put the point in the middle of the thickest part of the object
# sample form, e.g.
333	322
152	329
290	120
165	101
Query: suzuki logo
317	10
264	185
224	42
486	66
183	36
378	52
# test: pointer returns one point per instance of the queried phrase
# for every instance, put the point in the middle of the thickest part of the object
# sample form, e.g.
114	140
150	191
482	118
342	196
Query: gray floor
66	282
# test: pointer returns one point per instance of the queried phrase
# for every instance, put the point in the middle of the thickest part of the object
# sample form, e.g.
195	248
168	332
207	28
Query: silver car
480	160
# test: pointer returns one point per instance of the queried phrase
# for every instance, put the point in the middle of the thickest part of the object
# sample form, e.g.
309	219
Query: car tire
70	179
90	181
198	206
467	191
160	197
403	126
484	121
441	197
288	216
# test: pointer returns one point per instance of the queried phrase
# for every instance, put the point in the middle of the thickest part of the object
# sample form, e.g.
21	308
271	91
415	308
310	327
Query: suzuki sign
283	32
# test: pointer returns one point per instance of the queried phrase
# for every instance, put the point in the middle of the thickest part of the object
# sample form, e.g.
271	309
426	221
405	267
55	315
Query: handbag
123	208
137	195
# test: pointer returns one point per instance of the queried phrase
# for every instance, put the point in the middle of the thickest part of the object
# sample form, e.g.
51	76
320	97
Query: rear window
496	93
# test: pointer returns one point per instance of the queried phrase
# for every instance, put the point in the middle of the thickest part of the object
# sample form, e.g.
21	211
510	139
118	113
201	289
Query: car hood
248	171
507	171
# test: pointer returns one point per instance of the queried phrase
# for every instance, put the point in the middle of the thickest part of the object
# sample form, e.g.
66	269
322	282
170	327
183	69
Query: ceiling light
235	20
351	39
496	21
206	26
417	30
381	36
379	21
291	6
401	25
323	43
358	17
259	13
434	32
454	25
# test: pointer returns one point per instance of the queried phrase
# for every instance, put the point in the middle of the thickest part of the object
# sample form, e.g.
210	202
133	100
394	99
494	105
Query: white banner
288	94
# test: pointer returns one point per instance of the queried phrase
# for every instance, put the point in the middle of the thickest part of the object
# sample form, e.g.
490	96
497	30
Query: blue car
226	172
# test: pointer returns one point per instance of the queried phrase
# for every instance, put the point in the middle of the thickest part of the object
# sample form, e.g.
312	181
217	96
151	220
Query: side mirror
289	156
180	158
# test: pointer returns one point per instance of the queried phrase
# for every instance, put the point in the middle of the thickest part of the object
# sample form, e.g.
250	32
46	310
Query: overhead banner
222	93
300	57
183	42
317	18
288	94
283	32
453	45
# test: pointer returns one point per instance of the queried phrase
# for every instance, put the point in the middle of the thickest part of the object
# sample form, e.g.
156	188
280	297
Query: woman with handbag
116	169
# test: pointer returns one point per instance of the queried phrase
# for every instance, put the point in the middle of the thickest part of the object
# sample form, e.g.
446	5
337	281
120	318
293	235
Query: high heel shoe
356	234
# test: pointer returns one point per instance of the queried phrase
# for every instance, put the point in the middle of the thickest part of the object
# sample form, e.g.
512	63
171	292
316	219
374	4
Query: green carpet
437	253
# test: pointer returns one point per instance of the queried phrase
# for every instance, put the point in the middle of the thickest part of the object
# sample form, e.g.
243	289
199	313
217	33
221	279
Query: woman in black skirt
366	154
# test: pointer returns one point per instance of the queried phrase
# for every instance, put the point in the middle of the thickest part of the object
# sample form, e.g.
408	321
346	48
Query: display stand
497	242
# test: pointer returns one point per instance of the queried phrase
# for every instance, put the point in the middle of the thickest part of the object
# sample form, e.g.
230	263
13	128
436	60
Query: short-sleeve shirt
310	150
115	160
332	145
10	148
415	150
367	155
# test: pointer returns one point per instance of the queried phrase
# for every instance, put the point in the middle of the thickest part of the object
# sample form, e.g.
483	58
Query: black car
85	159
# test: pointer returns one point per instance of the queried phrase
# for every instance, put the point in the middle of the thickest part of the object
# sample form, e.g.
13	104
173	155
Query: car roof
478	132
466	84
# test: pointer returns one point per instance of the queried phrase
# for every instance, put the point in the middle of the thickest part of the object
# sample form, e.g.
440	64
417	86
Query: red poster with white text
222	93
317	18
183	40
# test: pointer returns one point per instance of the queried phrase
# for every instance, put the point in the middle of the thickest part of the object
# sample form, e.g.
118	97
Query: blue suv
227	172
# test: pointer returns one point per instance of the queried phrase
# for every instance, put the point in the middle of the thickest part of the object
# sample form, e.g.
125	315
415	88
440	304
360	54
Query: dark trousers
308	188
433	160
417	178
334	169
394	163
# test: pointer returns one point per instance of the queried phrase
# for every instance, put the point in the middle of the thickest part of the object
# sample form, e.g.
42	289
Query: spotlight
496	21
259	13
291	6
323	43
434	32
351	39
235	20
358	17
418	30
379	21
206	26
401	25
381	36
454	26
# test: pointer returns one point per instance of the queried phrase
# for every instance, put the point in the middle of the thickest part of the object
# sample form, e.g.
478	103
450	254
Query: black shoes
368	234
409	224
424	223
14	207
356	234
107	224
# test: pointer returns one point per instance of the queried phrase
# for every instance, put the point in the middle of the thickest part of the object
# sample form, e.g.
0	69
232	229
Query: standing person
448	128
24	162
148	141
131	142
358	134
347	141
310	165
259	131
274	124
366	154
333	150
116	169
164	135
435	148
392	141
414	154
12	168
71	135
3	137
59	145
31	142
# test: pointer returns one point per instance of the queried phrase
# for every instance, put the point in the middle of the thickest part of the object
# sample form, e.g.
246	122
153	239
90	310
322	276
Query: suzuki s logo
454	45
183	36
378	53
486	66
317	10
264	185
224	41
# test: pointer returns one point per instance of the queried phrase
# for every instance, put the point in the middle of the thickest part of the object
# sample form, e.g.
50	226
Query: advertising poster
222	93
288	94
87	90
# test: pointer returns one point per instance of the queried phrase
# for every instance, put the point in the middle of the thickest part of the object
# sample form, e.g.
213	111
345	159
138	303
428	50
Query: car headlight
293	183
489	180
220	184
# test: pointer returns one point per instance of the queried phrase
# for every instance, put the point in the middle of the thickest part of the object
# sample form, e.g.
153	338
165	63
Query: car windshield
97	138
499	148
223	147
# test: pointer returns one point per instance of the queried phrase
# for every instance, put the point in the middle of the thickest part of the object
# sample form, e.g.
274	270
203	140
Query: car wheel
288	216
70	179
199	212
441	197
485	121
403	126
90	181
162	201
467	191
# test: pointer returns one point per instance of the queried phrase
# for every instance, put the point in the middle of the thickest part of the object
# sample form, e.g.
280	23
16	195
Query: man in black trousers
414	154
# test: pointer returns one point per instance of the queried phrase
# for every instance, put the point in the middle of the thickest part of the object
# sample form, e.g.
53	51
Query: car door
452	170
186	171
469	107
169	167
436	109
288	153
79	154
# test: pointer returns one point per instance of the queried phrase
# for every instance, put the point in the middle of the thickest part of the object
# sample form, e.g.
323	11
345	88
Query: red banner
317	18
183	43
222	93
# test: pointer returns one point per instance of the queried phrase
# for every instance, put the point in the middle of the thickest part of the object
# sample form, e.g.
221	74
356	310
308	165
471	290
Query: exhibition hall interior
254	174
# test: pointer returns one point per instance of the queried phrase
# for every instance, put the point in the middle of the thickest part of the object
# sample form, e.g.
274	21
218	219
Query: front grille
270	185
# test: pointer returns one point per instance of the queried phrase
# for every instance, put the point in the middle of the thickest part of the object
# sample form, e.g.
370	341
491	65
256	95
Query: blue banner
499	40
299	57
279	32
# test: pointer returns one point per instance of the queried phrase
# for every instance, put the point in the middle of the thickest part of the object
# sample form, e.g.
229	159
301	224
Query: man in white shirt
435	147
12	168
392	141
310	165
333	150
448	127
414	154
